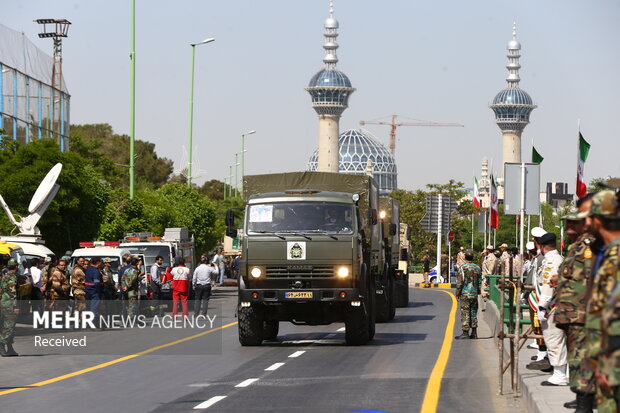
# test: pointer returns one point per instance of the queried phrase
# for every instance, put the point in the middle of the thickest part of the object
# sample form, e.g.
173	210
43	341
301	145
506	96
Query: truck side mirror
230	218
393	229
231	232
372	216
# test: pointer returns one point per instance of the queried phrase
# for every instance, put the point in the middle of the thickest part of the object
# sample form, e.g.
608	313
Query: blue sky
431	60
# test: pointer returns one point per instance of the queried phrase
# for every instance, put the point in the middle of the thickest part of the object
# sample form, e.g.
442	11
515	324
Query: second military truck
311	254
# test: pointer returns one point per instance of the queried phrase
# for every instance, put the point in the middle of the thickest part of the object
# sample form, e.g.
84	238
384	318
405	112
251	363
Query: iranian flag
494	217
584	148
476	194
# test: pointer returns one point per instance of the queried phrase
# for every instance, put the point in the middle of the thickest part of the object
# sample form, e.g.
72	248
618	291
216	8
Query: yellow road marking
431	395
112	362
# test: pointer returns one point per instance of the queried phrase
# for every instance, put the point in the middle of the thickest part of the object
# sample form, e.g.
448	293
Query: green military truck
389	216
311	254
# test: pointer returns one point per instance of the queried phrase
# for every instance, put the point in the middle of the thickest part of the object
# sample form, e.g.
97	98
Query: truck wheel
392	297
402	291
382	303
356	326
270	330
250	325
372	315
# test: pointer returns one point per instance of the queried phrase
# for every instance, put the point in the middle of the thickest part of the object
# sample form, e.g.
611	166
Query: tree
213	189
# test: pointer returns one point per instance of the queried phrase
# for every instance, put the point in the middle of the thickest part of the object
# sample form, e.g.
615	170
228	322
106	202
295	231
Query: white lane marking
246	383
274	366
341	329
297	354
209	402
332	335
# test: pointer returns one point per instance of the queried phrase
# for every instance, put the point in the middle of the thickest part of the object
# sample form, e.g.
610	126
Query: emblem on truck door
296	250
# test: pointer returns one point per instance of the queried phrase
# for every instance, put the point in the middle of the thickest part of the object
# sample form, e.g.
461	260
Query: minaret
512	106
330	90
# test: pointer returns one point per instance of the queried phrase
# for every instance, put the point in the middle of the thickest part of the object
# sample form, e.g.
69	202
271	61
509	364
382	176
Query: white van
114	253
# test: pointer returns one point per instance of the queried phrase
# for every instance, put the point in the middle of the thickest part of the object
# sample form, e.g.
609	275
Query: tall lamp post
191	111
243	135
237	173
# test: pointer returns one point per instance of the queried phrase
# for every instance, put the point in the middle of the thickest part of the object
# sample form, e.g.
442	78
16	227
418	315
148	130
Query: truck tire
250	325
402	291
392	297
382	303
356	326
270	329
372	315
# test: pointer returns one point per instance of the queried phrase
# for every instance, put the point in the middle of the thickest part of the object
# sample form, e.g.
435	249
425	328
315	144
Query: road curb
440	285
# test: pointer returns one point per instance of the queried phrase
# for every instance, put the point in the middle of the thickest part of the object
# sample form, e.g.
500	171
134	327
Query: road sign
450	236
436	206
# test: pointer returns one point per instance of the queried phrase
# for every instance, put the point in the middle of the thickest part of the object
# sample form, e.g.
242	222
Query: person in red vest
180	286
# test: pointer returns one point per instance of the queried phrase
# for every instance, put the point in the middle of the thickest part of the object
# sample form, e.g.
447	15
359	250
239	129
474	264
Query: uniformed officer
79	288
8	309
131	287
574	276
555	338
57	287
488	265
603	313
94	286
460	258
469	283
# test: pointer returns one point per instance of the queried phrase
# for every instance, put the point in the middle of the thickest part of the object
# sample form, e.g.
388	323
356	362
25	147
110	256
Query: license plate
298	294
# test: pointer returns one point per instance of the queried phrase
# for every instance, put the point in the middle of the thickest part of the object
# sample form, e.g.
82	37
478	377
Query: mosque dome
512	97
329	77
356	148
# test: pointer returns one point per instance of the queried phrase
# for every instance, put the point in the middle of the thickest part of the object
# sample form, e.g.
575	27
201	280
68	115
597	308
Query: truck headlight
256	272
343	272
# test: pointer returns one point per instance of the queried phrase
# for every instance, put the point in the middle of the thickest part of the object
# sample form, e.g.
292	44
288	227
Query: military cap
530	246
504	245
65	258
613	183
12	262
573	215
548	239
604	204
538	232
107	260
489	247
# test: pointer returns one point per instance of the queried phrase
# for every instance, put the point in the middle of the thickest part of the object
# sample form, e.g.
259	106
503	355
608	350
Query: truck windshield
281	217
150	252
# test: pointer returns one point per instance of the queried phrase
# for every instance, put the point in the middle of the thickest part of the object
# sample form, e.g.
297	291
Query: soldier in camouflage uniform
131	287
469	283
57	288
8	309
603	314
109	287
574	277
78	278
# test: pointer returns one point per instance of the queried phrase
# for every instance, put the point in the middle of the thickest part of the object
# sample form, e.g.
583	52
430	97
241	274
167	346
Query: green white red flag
581	188
476	194
494	216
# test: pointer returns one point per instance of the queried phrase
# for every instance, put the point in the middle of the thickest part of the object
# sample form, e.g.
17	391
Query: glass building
359	150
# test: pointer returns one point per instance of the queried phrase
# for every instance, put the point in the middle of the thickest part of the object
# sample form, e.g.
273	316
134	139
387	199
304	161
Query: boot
539	365
474	334
558	378
10	351
571	404
3	352
463	336
584	403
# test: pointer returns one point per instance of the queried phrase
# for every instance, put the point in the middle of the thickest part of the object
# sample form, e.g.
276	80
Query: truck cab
310	254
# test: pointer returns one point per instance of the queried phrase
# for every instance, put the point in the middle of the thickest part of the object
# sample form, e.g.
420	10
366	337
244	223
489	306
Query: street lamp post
237	173
243	135
191	111
230	177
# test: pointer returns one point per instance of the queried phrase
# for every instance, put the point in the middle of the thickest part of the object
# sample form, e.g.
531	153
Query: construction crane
393	125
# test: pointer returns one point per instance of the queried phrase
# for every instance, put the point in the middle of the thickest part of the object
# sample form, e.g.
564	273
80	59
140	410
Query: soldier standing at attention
574	276
79	288
94	286
603	314
469	283
57	288
488	265
131	287
555	339
460	258
8	309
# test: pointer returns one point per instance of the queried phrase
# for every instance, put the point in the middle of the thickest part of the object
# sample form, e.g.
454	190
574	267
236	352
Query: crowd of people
574	300
82	284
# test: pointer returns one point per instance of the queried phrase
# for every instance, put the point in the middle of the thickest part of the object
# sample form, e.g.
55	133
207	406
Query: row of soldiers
89	282
576	303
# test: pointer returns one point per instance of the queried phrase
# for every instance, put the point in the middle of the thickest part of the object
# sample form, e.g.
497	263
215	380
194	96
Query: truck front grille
300	271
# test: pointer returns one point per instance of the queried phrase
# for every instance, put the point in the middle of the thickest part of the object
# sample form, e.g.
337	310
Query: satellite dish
45	189
42	198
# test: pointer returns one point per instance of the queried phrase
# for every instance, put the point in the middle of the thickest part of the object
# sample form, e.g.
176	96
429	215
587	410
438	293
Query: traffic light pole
439	235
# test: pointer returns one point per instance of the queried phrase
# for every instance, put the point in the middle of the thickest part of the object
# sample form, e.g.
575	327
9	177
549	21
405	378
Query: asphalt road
307	369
